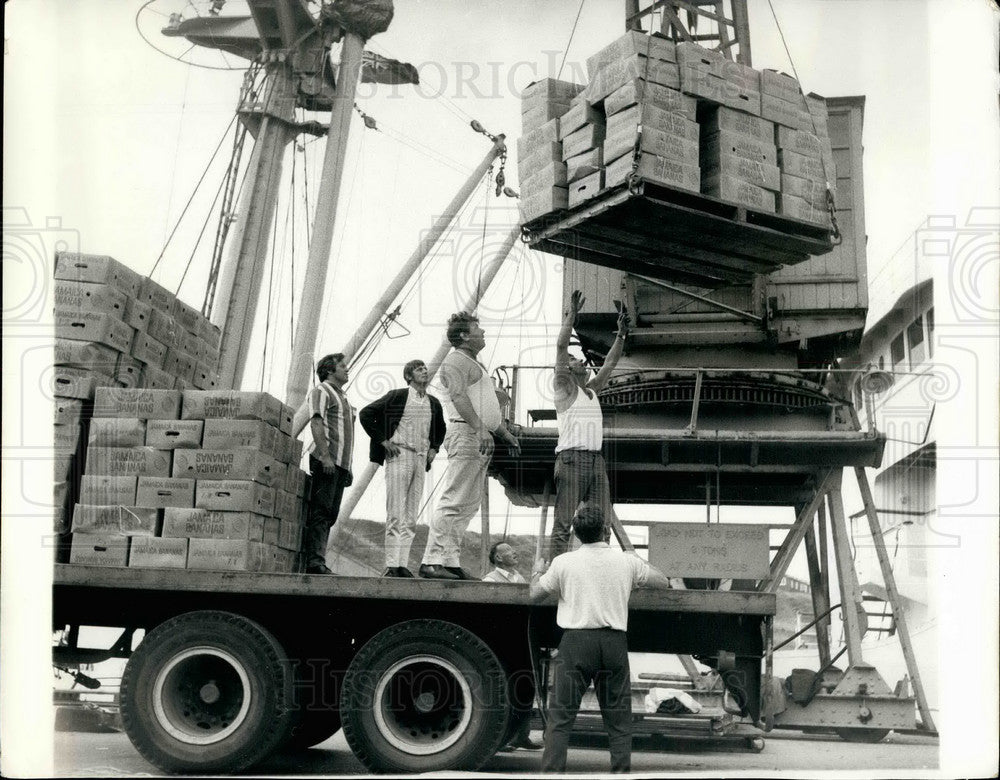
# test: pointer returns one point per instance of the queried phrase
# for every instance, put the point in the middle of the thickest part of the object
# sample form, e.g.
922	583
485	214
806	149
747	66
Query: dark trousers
598	655
324	505
580	475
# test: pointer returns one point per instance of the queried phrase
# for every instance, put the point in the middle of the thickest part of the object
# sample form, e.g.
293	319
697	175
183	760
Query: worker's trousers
580	476
461	495
325	494
598	655
404	488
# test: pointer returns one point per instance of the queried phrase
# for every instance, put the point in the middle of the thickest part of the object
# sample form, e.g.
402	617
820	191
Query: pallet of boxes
680	116
115	328
190	479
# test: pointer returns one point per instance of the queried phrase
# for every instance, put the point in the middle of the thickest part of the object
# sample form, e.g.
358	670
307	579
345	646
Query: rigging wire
166	53
193	193
571	34
486	219
201	234
173	177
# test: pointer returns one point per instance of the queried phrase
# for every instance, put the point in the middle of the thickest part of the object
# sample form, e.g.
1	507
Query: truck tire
424	696
207	692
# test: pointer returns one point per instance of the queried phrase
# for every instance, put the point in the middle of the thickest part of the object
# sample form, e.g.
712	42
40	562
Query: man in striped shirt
332	425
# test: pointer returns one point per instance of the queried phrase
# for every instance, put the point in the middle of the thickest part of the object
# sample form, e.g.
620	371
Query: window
897	353
930	332
915	338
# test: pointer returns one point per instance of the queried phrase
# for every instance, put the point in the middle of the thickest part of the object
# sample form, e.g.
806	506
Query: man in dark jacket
406	428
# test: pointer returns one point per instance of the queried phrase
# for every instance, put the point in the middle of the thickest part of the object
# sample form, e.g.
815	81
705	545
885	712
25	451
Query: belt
459	421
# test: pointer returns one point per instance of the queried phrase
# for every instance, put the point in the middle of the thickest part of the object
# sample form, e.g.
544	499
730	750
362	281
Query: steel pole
314	286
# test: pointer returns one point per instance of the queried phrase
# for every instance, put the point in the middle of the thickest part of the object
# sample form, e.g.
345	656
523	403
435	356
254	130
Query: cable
270	289
486	219
570	41
193	193
201	234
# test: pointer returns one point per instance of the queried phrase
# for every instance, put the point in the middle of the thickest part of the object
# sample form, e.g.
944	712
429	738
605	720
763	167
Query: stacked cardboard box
685	117
540	166
195	480
247	510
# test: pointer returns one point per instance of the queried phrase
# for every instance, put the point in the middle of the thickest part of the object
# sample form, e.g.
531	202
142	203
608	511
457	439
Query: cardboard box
736	190
180	364
183	384
543	202
287	506
547	133
211	524
551	89
70	410
156	379
728	142
539	158
802	166
742	77
753	171
584	164
282	451
798	141
287	420
148	350
578	116
649	115
736	97
190	344
161	492
163	327
700	82
157	553
634	42
278	560
80	383
295	451
60	513
227	464
295	481
97	269
660	170
128	461
638	91
187	317
234	495
225	555
290	535
74	297
809	190
725	118
137	314
205	377
616	74
780	85
117	432
115	520
107	490
99	550
142	403
587	137
798	208
157	296
272	529
209	333
232	434
231	404
539	113
652	141
65	466
128	372
174	434
691	54
784	113
94	326
67	438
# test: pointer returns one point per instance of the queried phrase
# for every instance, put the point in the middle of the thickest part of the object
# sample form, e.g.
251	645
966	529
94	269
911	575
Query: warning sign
709	550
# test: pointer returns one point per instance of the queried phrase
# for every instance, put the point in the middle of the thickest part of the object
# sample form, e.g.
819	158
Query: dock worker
406	427
580	471
593	584
331	420
472	409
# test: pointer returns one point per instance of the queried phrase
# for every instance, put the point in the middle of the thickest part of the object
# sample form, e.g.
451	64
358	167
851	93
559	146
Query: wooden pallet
677	236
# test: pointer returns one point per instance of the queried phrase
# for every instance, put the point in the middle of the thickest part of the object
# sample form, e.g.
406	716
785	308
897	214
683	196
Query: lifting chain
831	207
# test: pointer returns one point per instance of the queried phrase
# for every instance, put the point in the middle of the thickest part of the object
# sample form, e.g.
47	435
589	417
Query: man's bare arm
614	354
657	579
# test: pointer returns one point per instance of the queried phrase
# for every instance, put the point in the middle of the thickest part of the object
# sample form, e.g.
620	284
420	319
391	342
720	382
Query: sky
105	138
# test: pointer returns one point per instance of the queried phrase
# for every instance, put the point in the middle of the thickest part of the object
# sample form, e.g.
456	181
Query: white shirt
593	584
502	575
456	375
581	426
414	429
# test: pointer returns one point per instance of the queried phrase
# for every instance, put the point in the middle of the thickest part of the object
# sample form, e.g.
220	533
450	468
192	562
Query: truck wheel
423	696
207	692
870	736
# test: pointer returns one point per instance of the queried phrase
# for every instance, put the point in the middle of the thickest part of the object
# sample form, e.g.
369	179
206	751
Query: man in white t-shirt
593	584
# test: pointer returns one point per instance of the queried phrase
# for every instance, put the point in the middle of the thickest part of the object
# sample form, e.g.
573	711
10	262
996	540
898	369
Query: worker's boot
433	572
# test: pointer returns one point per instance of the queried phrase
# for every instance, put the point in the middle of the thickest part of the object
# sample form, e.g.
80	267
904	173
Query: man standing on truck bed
580	471
406	427
473	412
331	420
593	584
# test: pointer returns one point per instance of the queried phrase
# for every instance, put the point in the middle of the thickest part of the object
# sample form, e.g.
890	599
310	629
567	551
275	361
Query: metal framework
714	24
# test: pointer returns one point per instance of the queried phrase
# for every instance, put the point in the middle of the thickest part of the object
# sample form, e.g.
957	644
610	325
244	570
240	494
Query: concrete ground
111	755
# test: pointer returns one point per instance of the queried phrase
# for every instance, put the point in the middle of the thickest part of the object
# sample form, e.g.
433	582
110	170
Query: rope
201	234
193	193
486	219
270	289
570	41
